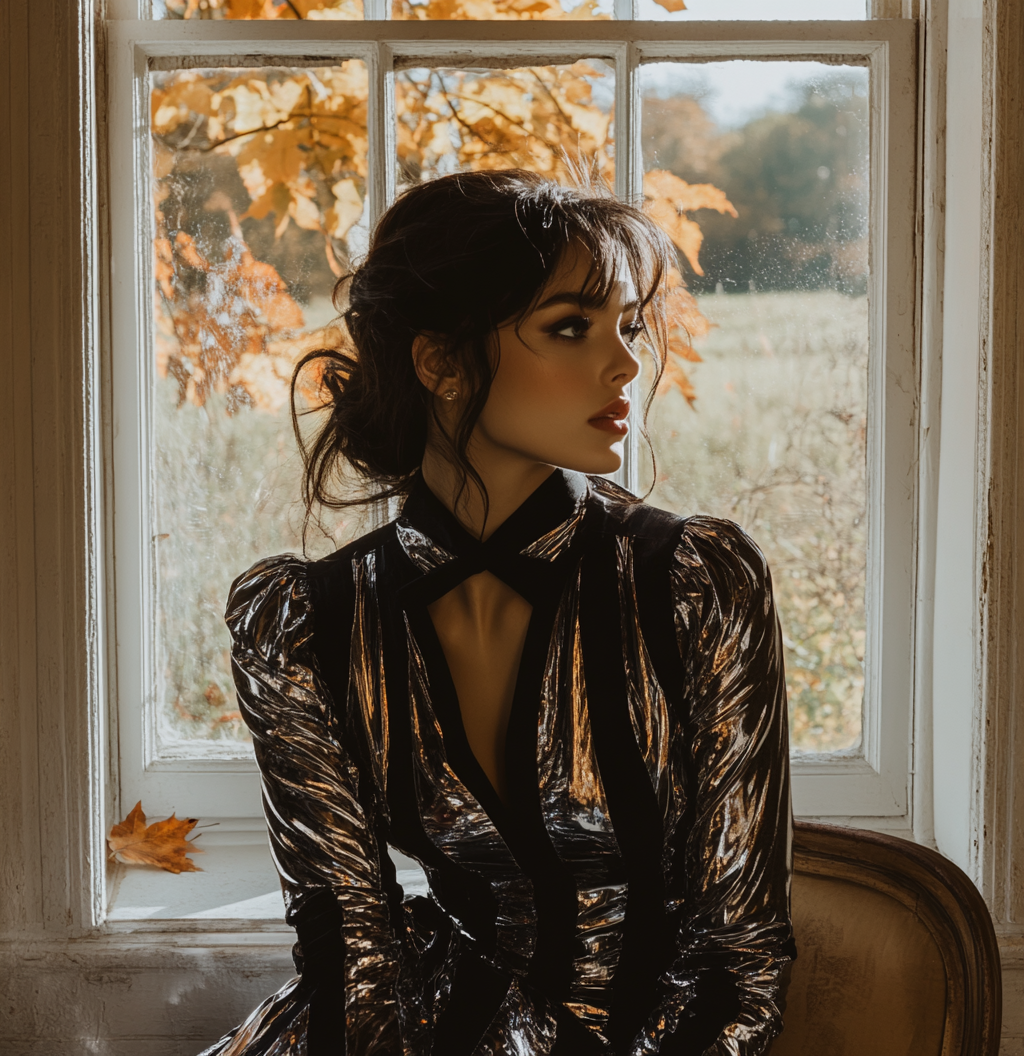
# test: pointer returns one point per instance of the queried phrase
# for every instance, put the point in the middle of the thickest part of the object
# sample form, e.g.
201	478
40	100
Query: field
777	443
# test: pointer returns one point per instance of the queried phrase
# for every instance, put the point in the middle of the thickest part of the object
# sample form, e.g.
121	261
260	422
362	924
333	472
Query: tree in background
798	180
260	198
401	9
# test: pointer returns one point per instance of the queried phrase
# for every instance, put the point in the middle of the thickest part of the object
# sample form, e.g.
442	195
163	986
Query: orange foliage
401	9
245	9
500	10
667	199
297	139
532	117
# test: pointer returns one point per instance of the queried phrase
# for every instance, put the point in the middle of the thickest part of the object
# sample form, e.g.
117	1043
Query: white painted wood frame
871	784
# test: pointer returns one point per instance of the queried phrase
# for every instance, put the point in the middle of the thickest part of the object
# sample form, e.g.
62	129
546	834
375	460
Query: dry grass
226	494
777	444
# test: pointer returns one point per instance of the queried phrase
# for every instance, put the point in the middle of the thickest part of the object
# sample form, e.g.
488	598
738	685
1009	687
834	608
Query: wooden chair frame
943	898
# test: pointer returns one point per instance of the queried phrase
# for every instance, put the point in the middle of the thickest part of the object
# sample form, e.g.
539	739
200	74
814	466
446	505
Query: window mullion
380	123
628	187
382	157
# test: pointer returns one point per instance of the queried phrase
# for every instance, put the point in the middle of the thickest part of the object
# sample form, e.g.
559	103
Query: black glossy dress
633	898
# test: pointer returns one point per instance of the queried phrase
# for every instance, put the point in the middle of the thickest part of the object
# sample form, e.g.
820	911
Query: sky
733	92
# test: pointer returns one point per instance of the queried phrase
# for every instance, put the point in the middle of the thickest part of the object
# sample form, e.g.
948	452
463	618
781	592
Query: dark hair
455	258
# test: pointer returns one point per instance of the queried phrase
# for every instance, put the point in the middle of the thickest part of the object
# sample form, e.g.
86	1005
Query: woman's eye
632	331
571	328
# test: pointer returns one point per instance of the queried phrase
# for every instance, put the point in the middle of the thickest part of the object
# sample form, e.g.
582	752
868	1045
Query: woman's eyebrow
580	301
567	298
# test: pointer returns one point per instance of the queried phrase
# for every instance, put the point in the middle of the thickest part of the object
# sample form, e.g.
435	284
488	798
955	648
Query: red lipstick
612	419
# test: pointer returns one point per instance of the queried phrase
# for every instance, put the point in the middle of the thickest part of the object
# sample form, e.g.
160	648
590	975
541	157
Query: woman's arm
735	945
322	828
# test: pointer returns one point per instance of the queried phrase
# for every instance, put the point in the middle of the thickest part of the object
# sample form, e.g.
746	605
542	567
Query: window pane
501	9
543	118
752	10
248	9
762	419
259	199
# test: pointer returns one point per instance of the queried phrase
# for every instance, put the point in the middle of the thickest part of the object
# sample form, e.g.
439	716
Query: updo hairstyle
455	258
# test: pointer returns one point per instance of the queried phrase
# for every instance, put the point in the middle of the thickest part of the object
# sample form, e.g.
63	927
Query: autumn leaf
226	321
674	377
348	207
670	198
684	317
133	842
686	197
189	254
683	231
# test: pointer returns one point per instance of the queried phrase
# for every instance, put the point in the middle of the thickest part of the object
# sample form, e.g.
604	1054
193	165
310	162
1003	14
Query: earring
450	394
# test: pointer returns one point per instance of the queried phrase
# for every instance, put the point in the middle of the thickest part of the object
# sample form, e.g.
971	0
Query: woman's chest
481	627
527	736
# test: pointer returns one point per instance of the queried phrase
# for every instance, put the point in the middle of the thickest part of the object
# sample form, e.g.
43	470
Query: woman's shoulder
716	541
268	606
268	578
336	567
277	599
698	540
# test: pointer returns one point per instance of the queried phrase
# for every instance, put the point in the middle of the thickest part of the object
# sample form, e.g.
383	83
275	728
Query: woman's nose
626	366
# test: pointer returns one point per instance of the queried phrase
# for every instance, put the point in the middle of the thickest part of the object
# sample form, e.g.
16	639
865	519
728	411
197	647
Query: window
251	152
769	423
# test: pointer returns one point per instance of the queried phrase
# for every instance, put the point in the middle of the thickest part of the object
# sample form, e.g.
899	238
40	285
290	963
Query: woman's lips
610	425
612	419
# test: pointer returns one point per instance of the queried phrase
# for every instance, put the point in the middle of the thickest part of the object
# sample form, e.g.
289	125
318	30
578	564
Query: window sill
237	883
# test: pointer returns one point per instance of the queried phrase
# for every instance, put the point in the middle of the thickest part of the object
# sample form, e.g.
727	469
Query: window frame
874	788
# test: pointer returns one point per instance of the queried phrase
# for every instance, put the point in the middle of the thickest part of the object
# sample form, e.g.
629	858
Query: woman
568	706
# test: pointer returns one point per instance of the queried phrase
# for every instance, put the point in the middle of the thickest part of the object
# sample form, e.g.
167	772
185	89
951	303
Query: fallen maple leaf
133	842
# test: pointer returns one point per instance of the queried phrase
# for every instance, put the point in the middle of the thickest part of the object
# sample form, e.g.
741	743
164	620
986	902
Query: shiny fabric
632	895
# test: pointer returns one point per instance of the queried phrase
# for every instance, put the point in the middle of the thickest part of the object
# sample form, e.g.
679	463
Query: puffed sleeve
323	834
735	946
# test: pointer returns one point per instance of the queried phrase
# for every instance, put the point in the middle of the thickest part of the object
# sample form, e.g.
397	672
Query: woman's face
560	392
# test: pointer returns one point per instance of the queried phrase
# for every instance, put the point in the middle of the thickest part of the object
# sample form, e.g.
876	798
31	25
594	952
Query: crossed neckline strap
552	506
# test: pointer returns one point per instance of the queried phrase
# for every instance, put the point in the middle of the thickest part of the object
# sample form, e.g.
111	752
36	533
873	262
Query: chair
897	955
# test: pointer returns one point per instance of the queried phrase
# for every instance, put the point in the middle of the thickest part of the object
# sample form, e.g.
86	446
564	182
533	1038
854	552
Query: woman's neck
509	479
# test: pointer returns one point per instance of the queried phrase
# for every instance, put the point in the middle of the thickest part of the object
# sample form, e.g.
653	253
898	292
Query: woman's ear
432	365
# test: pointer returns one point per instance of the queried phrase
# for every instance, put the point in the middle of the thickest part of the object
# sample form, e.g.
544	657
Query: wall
51	724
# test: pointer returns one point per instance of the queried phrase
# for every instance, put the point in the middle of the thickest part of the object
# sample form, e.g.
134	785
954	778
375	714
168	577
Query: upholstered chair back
897	954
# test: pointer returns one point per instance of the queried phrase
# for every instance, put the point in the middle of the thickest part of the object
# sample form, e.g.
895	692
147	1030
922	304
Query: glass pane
259	200
762	413
544	118
249	9
750	10
502	10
